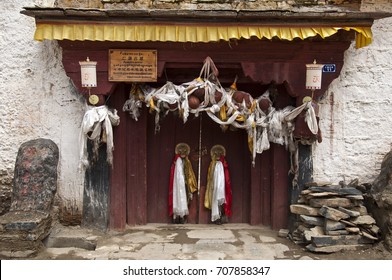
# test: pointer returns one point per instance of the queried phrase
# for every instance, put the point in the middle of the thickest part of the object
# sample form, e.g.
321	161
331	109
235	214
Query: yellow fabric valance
142	32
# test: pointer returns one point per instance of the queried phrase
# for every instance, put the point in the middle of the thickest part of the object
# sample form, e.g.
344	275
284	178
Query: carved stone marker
28	222
35	176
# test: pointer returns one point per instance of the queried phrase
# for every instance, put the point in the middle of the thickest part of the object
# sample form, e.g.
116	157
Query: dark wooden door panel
161	151
239	162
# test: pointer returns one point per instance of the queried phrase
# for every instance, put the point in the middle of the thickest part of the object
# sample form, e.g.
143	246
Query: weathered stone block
337	189
321	241
364	220
351	213
24	225
334	248
316	221
368	236
301	209
332	214
35	176
353	229
331	202
333	225
337	232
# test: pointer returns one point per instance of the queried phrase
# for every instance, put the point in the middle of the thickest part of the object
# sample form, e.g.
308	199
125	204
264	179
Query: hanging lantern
313	75
88	71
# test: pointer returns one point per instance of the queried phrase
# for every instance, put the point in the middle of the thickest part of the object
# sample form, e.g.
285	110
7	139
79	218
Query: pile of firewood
331	218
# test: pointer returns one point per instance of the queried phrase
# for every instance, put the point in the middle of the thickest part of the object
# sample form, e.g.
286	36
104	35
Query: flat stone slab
331	202
301	209
334	248
211	234
24	226
22	220
310	220
364	220
333	214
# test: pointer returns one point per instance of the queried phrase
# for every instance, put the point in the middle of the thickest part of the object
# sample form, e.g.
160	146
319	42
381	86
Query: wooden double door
201	134
140	176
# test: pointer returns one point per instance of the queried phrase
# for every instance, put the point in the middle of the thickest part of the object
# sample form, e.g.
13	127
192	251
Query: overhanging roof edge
283	16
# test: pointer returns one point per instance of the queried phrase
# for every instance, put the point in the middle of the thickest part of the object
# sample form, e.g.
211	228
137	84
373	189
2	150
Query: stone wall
355	113
37	100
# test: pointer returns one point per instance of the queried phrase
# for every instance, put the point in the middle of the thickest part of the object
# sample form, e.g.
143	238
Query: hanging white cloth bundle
133	105
218	195
96	120
180	202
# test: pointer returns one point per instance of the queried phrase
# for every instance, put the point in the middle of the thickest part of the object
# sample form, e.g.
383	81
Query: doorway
142	161
200	133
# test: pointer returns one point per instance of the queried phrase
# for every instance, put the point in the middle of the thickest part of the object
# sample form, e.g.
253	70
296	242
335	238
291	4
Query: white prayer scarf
180	202
218	195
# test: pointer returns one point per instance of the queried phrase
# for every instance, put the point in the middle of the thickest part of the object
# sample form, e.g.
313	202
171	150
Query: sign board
329	68
131	65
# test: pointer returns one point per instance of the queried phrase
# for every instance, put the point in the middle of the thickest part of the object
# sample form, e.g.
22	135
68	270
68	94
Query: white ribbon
218	194
180	203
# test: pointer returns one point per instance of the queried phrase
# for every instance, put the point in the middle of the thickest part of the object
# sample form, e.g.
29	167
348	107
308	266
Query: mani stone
316	221
332	214
301	209
333	225
352	213
35	176
338	190
364	220
369	236
361	209
334	248
353	229
331	202
337	232
315	231
321	241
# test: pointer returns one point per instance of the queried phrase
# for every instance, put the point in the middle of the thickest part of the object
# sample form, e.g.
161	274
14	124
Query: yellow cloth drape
190	176
210	185
141	32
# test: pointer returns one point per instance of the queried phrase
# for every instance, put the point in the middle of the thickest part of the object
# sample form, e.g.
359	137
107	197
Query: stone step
82	239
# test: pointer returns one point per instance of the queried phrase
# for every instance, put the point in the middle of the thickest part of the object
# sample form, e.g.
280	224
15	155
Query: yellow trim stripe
185	33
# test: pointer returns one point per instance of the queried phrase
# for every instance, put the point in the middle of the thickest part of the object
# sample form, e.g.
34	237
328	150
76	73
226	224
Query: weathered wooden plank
137	170
279	197
266	187
256	194
118	203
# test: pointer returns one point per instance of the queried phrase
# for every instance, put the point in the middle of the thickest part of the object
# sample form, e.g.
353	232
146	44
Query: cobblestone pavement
186	242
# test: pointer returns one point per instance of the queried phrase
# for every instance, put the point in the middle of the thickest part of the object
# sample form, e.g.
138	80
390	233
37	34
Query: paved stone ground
186	242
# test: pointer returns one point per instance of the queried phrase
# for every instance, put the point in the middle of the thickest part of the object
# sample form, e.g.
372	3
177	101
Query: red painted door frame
257	61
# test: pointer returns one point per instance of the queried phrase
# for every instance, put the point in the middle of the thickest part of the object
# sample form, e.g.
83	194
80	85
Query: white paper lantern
88	71
313	75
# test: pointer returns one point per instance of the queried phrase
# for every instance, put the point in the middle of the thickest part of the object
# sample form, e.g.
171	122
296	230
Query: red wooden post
280	187
117	218
137	170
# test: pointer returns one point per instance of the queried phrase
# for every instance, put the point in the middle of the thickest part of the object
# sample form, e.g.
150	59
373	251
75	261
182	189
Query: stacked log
332	218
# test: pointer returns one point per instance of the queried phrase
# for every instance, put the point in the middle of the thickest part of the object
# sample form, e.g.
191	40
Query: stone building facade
40	101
